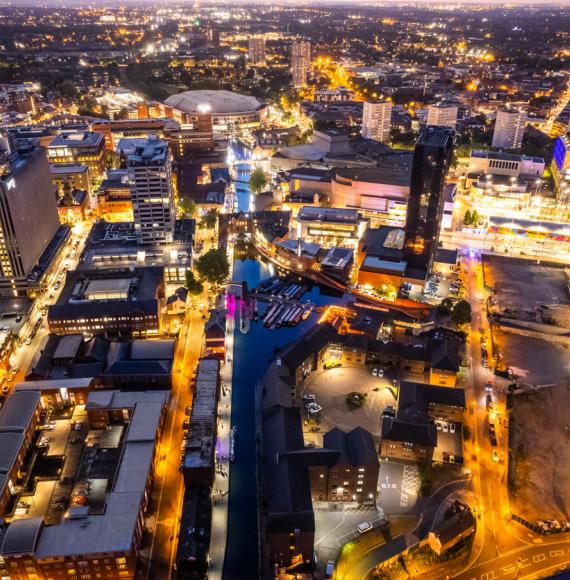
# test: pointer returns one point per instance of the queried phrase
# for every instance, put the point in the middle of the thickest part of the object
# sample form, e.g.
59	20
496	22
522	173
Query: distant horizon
292	3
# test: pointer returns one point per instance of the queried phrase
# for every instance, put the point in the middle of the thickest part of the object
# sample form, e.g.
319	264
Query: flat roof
388	173
106	285
84	139
18	410
68	169
328	214
372	263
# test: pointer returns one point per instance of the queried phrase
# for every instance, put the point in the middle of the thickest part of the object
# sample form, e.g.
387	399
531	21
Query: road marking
538	558
554	553
488	575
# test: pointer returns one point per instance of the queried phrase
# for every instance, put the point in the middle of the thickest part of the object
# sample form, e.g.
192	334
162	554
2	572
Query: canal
252	354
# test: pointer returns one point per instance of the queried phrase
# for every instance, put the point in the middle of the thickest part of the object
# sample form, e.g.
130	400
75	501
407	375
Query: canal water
252	353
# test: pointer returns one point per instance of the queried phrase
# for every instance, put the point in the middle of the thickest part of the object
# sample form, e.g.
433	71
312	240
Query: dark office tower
432	158
28	215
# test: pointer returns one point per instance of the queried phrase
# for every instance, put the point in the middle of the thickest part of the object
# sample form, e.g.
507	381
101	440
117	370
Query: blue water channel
252	353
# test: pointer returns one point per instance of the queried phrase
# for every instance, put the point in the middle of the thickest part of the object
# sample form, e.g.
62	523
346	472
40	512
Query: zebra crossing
410	484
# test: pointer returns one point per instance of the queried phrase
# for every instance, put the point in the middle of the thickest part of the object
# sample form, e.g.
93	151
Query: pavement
158	558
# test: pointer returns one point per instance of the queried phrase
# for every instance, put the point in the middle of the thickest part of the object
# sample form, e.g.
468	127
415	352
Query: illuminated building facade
300	63
330	226
87	148
152	192
442	115
509	129
28	214
432	158
560	166
256	49
376	120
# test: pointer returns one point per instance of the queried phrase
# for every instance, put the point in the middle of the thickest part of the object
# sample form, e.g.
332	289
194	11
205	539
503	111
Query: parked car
452	427
364	527
495	455
329	571
313	408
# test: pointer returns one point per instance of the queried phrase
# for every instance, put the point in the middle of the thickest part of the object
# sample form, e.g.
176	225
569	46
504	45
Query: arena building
230	111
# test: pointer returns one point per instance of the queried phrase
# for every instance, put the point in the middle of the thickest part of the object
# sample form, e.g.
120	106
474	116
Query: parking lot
330	389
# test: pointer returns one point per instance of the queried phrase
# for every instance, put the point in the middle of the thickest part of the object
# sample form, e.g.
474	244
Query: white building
300	63
256	49
152	192
376	119
488	162
442	115
509	129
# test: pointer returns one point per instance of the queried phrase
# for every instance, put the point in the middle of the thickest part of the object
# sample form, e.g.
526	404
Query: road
168	491
501	549
24	355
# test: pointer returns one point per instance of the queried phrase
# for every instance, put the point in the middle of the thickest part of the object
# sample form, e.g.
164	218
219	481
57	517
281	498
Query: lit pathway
222	481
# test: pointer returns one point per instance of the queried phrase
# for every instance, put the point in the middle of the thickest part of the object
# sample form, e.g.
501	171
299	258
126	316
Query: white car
380	373
445	427
364	527
374	372
495	455
44	441
314	408
452	427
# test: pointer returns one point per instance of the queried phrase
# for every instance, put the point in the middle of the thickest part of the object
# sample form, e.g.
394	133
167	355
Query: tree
187	205
467	218
67	89
461	313
257	180
213	267
195	287
474	218
445	306
209	219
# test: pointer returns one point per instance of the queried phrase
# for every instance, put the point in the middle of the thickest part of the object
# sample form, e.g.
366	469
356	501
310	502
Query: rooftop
328	214
216	102
200	444
86	139
17	411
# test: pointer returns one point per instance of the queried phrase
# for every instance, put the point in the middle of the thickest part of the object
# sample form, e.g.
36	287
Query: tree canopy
461	313
257	180
209	219
195	287
213	267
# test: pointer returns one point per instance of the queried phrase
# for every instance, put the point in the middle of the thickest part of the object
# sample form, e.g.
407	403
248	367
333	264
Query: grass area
420	559
352	551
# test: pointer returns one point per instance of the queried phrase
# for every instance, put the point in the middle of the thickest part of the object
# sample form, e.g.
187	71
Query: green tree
195	287
213	267
67	89
257	180
445	306
474	217
461	313
467	218
209	219
187	205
